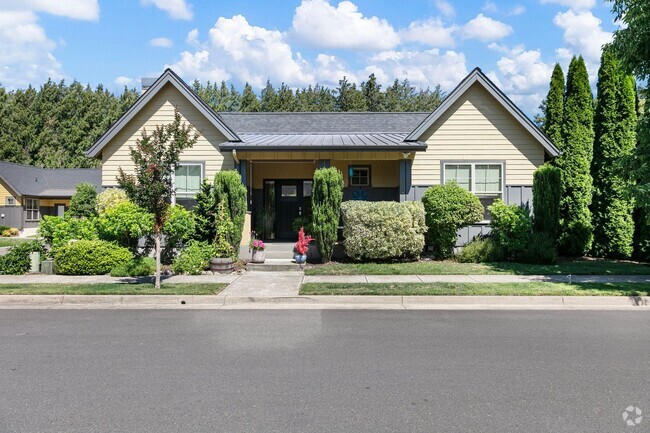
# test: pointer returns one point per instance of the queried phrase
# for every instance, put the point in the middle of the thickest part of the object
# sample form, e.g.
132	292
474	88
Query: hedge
17	261
383	230
547	190
90	257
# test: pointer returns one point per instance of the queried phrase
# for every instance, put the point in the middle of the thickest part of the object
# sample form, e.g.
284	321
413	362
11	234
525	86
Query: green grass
10	242
110	289
478	289
431	267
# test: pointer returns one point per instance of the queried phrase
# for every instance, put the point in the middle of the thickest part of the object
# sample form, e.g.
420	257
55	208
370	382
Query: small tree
547	187
326	198
222	247
110	198
84	201
204	213
155	157
229	189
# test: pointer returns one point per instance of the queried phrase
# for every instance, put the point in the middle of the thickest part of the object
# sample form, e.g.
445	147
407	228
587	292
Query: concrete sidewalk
476	278
107	279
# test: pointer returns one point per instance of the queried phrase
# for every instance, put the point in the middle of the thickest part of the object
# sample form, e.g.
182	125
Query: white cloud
445	8
249	53
320	24
490	7
124	81
193	37
573	4
421	68
485	29
329	70
176	9
75	9
161	42
432	32
517	10
583	33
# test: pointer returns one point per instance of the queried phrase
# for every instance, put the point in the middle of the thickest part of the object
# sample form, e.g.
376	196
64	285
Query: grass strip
430	267
10	242
478	289
111	289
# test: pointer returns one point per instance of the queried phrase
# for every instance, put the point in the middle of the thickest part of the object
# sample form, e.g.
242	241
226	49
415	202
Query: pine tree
269	98
349	97
249	101
553	107
576	231
372	92
285	99
615	138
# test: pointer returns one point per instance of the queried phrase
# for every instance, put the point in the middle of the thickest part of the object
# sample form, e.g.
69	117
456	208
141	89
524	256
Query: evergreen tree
249	101
285	100
553	107
576	231
372	92
269	98
615	138
349	97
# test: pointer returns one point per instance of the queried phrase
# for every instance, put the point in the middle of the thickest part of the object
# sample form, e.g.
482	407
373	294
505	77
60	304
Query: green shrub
326	198
448	208
204	213
547	193
10	232
16	261
90	257
481	250
194	258
125	223
57	231
221	245
110	198
510	227
138	267
178	228
383	230
229	189
541	249
83	203
304	222
3	228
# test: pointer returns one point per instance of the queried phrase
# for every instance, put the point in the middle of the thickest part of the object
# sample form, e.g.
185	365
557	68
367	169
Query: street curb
324	302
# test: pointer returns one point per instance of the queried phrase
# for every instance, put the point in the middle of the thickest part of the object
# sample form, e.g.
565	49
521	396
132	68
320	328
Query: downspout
234	155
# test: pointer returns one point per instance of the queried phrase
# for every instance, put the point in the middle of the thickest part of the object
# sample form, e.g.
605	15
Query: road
322	371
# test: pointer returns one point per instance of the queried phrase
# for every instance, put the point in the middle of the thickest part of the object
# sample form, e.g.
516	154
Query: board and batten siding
160	111
478	128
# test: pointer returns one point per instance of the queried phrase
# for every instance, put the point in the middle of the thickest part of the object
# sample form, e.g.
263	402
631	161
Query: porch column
404	179
324	163
242	168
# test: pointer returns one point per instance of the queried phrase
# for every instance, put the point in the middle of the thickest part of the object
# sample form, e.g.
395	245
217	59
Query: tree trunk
157	278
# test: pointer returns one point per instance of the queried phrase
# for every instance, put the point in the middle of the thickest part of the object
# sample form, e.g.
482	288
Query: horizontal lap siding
5	192
476	127
160	111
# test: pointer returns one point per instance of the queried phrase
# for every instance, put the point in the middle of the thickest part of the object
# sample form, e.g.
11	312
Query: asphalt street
284	371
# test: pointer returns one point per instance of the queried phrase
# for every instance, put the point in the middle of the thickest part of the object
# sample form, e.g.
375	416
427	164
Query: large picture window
188	180
31	209
483	179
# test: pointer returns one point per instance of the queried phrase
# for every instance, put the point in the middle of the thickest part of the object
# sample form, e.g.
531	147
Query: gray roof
322	122
28	180
306	142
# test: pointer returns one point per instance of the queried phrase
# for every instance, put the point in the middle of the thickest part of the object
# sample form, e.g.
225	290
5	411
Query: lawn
10	242
478	289
110	289
431	267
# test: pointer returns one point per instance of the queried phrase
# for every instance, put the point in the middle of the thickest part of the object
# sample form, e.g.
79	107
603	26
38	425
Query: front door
288	206
60	210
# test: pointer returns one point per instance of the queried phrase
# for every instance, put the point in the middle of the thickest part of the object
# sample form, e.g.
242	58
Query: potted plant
223	251
301	247
257	246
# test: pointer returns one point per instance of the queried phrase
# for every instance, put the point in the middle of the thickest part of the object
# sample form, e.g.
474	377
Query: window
31	209
289	191
359	176
306	188
483	179
188	180
10	201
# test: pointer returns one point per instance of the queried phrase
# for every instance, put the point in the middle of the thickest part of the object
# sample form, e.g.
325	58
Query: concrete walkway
476	278
265	284
107	279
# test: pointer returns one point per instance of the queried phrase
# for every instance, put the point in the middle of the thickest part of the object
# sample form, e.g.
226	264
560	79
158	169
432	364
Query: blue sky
300	42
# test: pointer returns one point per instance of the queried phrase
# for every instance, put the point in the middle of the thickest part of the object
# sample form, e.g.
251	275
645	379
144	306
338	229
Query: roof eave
397	148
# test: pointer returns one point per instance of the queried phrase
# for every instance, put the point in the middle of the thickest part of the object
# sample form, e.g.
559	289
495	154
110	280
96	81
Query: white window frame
473	165
30	210
185	164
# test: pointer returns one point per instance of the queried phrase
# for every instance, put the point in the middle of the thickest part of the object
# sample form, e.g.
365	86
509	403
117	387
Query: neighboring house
27	193
477	137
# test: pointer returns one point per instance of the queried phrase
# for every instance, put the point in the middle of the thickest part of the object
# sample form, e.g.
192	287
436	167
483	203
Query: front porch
280	184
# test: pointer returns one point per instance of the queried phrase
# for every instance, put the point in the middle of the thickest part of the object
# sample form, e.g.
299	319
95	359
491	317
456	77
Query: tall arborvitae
553	108
249	102
576	231
615	138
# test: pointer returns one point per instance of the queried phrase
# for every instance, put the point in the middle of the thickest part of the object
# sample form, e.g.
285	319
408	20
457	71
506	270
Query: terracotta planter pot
223	265
258	256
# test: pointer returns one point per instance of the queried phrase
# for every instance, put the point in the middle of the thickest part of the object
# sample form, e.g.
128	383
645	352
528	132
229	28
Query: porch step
274	265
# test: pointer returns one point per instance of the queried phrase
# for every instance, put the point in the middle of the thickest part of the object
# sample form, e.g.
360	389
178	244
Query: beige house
477	137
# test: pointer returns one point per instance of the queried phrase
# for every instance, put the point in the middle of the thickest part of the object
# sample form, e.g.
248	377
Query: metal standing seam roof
27	180
302	142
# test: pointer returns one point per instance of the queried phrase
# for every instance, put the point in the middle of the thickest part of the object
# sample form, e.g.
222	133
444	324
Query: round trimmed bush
90	257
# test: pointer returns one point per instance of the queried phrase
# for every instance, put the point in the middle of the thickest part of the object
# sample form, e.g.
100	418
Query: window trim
185	164
357	166
9	199
473	163
30	211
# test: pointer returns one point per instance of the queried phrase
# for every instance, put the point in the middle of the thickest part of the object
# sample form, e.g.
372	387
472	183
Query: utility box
35	260
47	267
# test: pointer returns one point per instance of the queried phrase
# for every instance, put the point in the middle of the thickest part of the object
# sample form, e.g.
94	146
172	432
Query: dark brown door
288	206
